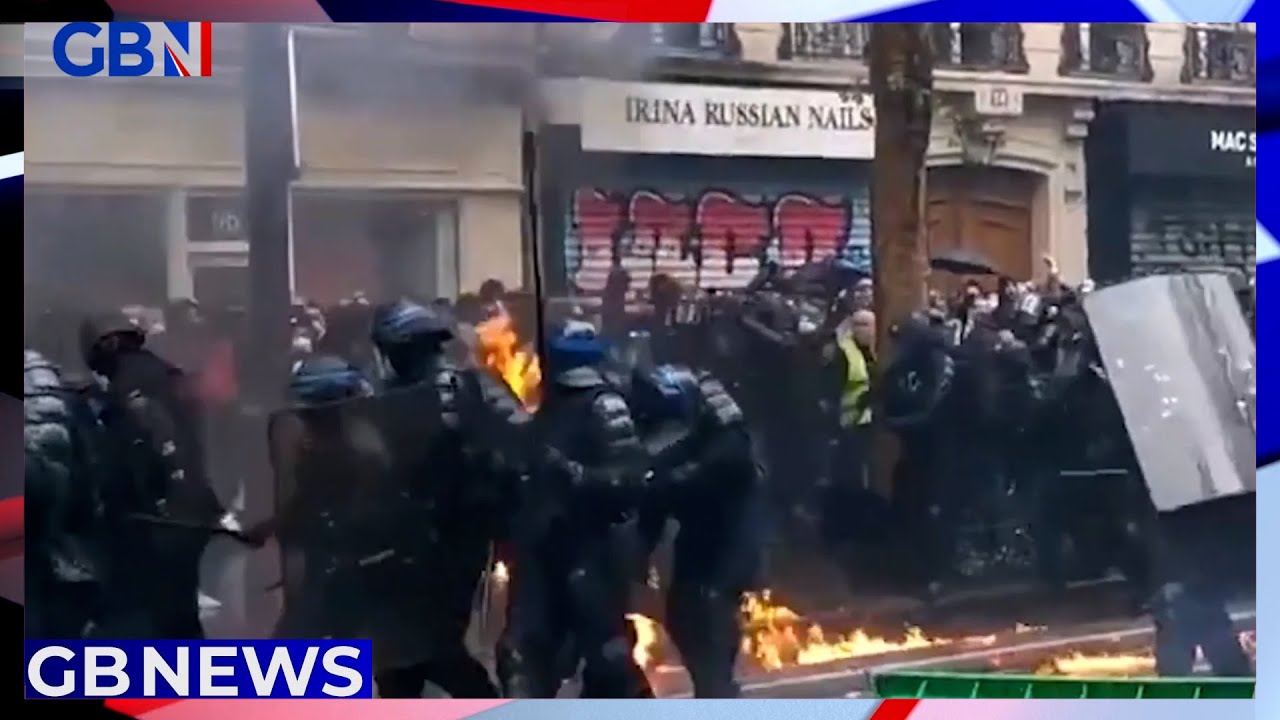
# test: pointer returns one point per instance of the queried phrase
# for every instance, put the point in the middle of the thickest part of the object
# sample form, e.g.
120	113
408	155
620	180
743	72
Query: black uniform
64	570
150	419
706	478
412	340
917	398
576	547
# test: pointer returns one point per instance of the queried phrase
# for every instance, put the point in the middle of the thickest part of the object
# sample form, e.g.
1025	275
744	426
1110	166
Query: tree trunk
902	82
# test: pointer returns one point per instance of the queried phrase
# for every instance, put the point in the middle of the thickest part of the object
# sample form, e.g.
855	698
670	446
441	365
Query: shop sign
728	121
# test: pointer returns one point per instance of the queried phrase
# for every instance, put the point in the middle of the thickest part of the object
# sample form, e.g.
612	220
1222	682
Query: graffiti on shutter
710	239
1182	235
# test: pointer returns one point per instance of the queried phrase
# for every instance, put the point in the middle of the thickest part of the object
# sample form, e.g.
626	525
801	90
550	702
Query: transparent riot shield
1181	363
334	486
361	486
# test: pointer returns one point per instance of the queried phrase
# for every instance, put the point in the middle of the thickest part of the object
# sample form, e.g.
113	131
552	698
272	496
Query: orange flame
775	636
1121	665
515	362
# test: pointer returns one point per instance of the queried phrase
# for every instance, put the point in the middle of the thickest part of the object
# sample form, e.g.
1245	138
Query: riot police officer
916	397
706	478
159	501
575	536
330	473
449	475
64	571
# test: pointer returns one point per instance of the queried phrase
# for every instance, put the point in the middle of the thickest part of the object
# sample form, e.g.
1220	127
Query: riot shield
1181	364
350	505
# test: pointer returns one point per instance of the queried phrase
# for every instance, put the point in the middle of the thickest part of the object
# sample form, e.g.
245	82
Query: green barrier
948	685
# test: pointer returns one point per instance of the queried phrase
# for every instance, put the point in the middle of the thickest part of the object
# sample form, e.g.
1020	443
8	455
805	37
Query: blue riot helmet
663	393
322	379
406	334
404	322
573	344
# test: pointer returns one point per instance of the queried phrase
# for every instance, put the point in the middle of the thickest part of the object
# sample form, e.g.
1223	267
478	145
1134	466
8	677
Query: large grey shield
1181	363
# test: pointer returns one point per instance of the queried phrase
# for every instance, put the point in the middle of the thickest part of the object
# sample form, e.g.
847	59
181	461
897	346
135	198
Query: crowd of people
401	462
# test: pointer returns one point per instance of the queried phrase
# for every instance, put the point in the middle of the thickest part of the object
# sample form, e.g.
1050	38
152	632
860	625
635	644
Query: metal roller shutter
1176	226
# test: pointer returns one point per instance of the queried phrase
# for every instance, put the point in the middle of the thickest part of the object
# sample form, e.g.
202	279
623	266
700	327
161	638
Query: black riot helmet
105	337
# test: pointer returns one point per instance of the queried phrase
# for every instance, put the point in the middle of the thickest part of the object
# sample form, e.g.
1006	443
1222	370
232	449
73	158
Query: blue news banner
203	669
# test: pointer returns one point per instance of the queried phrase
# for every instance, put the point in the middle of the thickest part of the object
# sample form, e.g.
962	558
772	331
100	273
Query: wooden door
985	210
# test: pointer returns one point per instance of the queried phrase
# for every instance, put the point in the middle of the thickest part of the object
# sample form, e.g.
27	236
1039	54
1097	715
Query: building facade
684	180
1015	106
411	180
1174	184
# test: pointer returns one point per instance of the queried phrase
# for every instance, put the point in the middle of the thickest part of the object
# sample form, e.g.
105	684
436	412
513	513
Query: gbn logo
134	49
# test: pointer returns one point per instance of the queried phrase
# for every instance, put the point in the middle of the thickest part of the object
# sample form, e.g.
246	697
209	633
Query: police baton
234	533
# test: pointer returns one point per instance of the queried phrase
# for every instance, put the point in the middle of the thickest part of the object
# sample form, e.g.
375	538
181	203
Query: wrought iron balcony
979	46
824	41
689	39
1115	50
1220	53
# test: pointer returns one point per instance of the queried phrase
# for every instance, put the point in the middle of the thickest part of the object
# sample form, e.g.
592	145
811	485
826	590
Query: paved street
1010	652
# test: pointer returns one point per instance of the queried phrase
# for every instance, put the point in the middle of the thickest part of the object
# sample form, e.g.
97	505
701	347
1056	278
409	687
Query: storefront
685	180
399	196
1171	187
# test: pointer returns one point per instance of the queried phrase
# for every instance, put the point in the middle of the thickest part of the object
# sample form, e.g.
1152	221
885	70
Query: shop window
223	285
383	245
1118	50
1223	53
979	46
93	251
824	41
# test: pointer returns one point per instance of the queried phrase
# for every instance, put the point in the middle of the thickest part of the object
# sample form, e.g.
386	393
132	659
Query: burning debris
501	350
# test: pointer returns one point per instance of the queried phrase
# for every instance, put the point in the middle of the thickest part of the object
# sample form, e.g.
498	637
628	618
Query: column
178	267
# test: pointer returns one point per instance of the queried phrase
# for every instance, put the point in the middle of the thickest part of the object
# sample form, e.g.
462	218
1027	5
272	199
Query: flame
1105	665
515	362
648	634
500	575
1122	665
775	636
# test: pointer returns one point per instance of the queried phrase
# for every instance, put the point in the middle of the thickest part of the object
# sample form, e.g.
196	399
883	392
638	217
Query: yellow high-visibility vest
857	384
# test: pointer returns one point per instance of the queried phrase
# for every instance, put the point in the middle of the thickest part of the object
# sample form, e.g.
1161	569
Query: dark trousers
568	600
457	673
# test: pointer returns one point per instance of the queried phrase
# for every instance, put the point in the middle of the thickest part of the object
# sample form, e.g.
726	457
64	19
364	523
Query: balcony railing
1225	54
979	46
1114	50
690	39
824	41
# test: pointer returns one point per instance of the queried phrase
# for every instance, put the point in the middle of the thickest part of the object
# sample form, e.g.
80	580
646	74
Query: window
1223	53
91	251
825	41
697	39
979	46
384	245
1113	49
